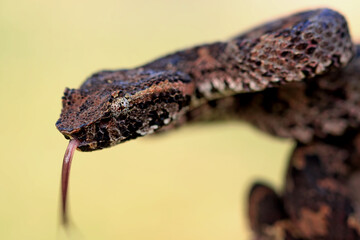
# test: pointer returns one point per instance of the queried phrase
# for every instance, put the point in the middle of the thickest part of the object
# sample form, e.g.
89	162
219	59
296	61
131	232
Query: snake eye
119	105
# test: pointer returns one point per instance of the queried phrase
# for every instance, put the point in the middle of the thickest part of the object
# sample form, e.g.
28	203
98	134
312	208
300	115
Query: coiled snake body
286	77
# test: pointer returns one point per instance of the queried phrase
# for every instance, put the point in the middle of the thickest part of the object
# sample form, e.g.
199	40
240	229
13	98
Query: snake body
115	106
291	78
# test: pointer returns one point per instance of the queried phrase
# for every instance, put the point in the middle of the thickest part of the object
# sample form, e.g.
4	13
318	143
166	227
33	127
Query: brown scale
320	199
270	77
323	107
287	50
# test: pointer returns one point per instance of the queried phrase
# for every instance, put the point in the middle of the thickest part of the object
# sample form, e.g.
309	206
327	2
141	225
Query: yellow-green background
188	184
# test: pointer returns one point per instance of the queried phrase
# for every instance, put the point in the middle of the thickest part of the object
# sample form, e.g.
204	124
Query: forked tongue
73	144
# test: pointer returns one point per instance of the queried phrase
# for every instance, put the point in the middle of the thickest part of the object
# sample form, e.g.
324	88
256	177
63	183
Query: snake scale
296	77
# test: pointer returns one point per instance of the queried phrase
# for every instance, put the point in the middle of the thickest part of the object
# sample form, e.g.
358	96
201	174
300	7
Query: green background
191	183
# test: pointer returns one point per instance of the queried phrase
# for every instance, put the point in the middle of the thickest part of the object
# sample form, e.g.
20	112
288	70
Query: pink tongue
73	144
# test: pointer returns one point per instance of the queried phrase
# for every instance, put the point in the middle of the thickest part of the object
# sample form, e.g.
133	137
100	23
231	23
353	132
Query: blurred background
189	184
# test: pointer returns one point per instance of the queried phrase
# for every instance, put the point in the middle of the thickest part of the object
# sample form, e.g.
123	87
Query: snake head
115	106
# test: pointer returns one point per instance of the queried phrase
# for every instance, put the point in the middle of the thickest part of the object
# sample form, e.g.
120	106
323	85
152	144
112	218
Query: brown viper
286	77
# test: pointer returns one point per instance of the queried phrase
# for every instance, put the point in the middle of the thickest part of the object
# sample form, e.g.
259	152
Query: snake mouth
83	144
90	137
81	140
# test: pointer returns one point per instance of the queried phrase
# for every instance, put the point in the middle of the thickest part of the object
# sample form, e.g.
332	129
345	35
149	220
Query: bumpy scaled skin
325	107
321	199
286	78
114	106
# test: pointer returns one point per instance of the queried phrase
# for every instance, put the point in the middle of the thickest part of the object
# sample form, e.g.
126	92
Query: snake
295	77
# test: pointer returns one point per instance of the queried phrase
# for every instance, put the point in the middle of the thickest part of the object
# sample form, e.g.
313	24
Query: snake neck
204	65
